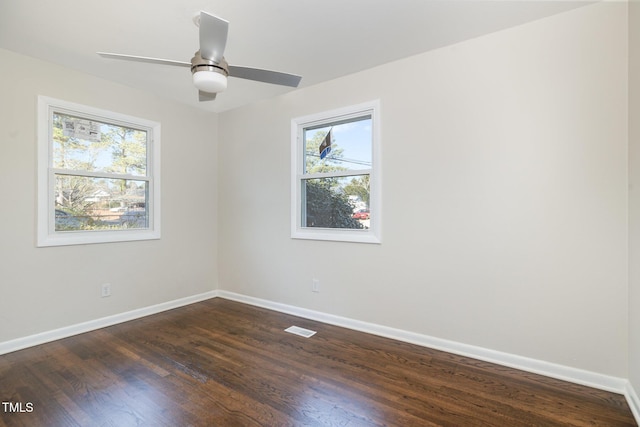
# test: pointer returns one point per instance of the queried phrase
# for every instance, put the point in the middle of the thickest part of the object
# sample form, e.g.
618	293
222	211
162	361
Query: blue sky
354	138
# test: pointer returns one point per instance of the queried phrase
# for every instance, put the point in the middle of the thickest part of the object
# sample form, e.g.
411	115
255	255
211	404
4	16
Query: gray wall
42	289
504	195
634	197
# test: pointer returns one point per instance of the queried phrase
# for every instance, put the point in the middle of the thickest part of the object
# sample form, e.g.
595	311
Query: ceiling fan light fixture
210	81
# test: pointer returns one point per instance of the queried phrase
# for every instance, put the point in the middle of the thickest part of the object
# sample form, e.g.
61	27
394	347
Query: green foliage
328	208
360	188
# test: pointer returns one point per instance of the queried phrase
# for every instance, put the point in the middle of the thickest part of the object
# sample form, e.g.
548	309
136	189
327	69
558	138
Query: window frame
46	233
298	126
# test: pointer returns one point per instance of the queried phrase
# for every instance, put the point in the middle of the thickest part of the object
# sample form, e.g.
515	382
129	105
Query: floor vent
300	331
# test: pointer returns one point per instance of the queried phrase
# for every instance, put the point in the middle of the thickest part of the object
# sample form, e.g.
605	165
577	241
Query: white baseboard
565	373
633	400
56	334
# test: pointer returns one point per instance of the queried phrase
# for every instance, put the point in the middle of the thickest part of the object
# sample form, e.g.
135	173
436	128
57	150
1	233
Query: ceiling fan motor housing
208	75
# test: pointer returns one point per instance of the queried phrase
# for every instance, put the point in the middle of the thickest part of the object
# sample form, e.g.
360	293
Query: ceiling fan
208	66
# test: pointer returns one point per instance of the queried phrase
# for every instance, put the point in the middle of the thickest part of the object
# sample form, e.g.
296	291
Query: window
336	175
98	175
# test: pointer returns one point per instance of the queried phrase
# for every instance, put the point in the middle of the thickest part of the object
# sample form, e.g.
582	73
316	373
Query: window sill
93	237
353	236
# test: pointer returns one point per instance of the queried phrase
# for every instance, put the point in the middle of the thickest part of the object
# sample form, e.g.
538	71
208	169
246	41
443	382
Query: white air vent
300	331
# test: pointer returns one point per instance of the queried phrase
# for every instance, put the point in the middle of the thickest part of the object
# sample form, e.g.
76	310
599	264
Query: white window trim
373	233
46	234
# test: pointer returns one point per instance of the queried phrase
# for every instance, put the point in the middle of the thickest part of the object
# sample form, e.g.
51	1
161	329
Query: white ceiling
318	39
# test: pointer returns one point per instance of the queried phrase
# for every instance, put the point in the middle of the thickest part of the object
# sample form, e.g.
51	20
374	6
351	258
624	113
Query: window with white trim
98	175
335	183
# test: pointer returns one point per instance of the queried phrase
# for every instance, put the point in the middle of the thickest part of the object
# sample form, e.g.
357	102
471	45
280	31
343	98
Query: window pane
85	203
336	202
81	144
347	147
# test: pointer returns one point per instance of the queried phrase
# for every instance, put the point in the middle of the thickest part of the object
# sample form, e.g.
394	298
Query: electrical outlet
106	290
315	285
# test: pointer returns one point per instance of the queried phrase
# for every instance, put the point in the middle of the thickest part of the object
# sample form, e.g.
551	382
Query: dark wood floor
222	363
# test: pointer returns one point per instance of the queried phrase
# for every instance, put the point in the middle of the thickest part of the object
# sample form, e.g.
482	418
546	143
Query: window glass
337	202
350	147
93	146
87	203
341	147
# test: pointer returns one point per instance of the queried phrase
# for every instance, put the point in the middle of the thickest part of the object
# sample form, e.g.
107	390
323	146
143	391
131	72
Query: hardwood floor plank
224	363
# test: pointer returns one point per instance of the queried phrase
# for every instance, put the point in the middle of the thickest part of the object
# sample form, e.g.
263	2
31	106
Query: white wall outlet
315	285
106	290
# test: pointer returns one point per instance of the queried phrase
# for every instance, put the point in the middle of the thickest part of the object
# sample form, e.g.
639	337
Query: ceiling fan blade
206	96
213	36
265	76
144	59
